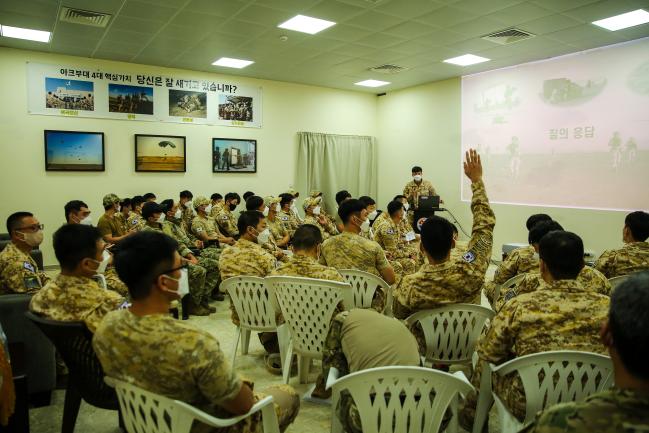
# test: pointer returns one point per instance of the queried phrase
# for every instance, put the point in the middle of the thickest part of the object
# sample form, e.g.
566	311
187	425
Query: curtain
330	163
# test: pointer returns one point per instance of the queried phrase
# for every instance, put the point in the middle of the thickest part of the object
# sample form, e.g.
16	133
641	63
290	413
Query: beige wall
421	126
287	109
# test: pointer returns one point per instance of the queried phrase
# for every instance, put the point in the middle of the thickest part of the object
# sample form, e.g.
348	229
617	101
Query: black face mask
233	207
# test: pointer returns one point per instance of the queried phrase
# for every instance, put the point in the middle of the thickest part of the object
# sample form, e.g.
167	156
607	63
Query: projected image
562	91
74	151
69	94
638	80
497	98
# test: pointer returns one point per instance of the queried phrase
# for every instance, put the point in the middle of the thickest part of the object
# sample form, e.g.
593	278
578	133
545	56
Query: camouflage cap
110	199
292	191
311	201
271	200
314	193
200	201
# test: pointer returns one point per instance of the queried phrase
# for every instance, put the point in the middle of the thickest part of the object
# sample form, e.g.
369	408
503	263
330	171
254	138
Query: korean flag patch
284	218
389	231
469	257
135	221
29	267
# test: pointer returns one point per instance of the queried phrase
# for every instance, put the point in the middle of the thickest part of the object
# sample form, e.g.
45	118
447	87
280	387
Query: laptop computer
427	202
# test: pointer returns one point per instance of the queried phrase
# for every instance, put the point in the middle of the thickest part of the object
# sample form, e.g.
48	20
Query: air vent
508	36
86	18
388	69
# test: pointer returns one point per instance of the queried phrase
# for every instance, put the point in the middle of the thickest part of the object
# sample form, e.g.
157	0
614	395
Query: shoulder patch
510	294
199	229
224	217
390	231
135	221
31	282
284	218
468	257
29	266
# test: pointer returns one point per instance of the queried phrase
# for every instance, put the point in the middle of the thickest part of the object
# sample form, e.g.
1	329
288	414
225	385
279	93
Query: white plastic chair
256	307
364	286
307	305
147	412
568	376
616	281
400	399
507	285
451	332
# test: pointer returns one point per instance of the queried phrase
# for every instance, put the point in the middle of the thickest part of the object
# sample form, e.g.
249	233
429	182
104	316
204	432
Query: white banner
71	91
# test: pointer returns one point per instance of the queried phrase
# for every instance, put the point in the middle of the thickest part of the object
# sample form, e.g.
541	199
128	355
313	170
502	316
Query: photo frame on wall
74	151
234	155
160	153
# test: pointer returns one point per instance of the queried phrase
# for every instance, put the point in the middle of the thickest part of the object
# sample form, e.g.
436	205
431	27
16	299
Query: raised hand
473	166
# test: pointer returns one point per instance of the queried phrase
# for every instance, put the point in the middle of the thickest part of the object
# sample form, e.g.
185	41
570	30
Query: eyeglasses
185	266
33	228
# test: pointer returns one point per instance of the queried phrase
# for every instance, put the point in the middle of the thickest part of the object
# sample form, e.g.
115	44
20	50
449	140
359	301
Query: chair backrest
364	285
38	352
147	412
616	281
401	399
73	341
255	305
558	376
451	332
507	285
307	306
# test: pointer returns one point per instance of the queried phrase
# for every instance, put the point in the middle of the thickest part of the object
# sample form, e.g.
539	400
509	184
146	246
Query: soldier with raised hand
634	255
624	408
175	359
440	280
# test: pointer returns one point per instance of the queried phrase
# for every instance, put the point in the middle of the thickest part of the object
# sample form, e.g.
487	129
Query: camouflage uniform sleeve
508	268
496	345
555	420
605	262
381	260
332	353
110	301
104	227
431	188
20	277
212	373
484	221
199	229
400	301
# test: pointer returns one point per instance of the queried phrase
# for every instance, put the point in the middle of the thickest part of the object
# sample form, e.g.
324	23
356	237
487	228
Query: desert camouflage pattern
75	299
178	361
187	217
201	224
135	221
327	230
114	283
110	226
632	257
227	222
611	411
299	265
520	261
277	229
19	273
391	239
289	221
454	281
216	209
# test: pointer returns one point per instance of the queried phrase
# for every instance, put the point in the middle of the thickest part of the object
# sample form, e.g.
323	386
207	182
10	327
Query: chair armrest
224	422
333	376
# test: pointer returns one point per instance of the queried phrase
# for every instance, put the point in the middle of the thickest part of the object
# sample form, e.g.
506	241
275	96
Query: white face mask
365	226
208	209
266	210
179	214
263	237
161	218
316	210
105	258
87	221
293	207
278	208
373	215
417	177
33	239
406	206
183	283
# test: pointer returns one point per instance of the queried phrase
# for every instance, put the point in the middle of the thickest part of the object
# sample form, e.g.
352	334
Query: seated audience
77	212
257	203
313	215
634	255
624	408
287	216
280	234
441	281
204	228
226	218
295	194
149	197
187	210
389	237
74	296
109	225
174	358
216	200
125	209
134	220
254	202
18	270
340	197
563	316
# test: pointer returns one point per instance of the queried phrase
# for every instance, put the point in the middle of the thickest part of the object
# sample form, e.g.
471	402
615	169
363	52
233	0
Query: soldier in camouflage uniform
109	223
562	316
203	273
74	296
18	270
226	219
134	221
187	210
175	359
441	281
286	215
205	228
313	216
634	255
280	234
387	234
216	200
247	257
416	188
624	408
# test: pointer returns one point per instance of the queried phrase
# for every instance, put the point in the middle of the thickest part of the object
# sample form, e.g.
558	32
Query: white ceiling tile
374	21
136	9
549	24
221	8
407	9
410	30
520	13
484	7
135	24
446	17
295	6
334	11
264	15
345	33
410	47
379	40
479	27
442	37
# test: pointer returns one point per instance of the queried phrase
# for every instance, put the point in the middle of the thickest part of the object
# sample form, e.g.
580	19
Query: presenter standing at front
416	188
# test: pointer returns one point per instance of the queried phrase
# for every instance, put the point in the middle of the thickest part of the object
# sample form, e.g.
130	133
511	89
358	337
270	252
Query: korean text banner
71	91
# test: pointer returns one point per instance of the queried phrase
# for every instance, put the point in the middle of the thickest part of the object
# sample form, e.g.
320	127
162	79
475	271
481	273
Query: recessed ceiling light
372	83
466	60
629	19
29	34
304	24
232	63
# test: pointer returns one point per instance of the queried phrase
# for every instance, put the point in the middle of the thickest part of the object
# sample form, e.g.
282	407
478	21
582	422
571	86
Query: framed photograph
74	151
130	99
185	103
162	153
235	108
234	155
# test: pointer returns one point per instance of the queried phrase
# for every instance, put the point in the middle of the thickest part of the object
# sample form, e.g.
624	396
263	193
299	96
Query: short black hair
437	236
149	196
285	198
348	208
563	254
249	218
73	206
14	220
254	202
125	203
416	168
629	323
231	196
342	195
398	197
167	204
186	194
366	200
247	194
73	243
541	229
141	257
638	223
394	207
535	219
216	196
306	237
137	200
151	208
